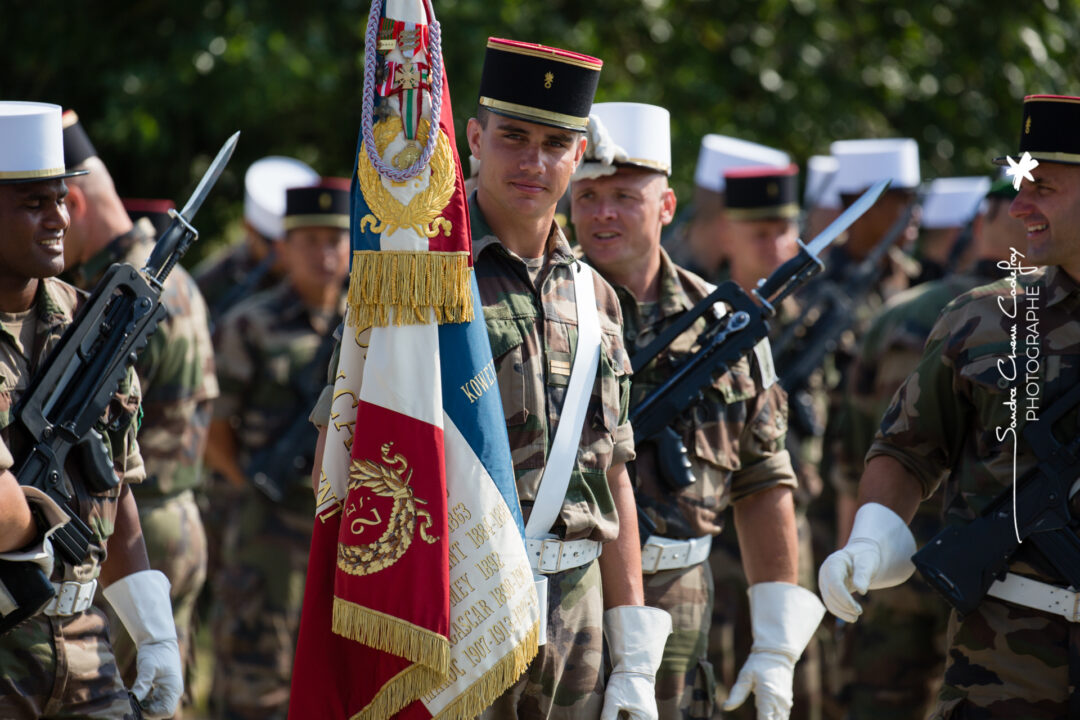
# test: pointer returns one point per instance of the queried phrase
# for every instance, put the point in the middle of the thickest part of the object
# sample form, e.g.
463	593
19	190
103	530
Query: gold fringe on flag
400	287
405	687
416	680
391	635
495	681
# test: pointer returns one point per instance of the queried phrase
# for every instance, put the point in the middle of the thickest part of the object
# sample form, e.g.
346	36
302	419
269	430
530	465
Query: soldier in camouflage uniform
271	348
525	272
59	663
254	264
1014	655
762	233
700	243
734	439
899	646
176	372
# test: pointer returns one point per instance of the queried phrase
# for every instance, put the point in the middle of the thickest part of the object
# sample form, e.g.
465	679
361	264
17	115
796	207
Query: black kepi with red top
540	84
1050	130
762	193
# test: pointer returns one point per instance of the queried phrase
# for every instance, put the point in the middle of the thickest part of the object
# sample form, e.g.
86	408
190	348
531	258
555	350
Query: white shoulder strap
564	449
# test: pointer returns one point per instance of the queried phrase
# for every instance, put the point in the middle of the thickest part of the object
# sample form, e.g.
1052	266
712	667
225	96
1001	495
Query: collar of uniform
118	248
558	246
1061	288
672	296
50	311
291	307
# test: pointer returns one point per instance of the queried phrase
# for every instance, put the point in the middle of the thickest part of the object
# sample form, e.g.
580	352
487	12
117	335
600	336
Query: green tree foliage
159	85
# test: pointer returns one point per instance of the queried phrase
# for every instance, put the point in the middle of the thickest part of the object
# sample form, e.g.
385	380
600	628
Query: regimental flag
419	599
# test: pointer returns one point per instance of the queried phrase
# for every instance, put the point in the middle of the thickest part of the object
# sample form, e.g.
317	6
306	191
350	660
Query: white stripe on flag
402	371
493	603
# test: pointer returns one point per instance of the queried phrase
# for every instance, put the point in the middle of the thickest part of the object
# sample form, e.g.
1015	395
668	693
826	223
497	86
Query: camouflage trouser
899	652
566	680
1007	661
259	613
61	670
685	683
730	636
176	545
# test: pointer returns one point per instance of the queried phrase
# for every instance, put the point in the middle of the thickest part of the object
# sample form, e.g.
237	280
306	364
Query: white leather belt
71	598
1030	593
661	553
552	555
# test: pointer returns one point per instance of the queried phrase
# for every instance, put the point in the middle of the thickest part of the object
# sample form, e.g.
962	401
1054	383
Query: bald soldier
620	202
1015	653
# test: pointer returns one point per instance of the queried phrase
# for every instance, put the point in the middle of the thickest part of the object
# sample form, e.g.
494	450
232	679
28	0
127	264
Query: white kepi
265	184
642	131
861	163
32	142
952	202
720	153
821	183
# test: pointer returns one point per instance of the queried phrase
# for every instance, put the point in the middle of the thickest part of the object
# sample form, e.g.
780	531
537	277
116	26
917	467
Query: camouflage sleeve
924	423
127	460
320	414
235	364
6	461
763	461
624	433
619	360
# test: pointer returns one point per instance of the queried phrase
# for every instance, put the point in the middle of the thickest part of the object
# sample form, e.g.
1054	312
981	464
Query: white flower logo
1020	171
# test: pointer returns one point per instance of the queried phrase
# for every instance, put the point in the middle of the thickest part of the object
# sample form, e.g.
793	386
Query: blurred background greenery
159	85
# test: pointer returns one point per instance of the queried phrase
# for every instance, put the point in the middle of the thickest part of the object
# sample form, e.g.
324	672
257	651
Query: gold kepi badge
549	80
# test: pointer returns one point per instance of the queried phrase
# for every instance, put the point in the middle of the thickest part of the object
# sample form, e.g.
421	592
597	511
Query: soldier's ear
76	201
667	206
473	131
582	143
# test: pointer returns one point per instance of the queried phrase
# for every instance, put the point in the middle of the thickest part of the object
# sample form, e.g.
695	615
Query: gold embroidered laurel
422	213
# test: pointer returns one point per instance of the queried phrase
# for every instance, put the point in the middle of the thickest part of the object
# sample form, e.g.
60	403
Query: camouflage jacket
734	439
219	274
961	414
266	346
533	333
893	346
837	458
805	448
54	307
176	371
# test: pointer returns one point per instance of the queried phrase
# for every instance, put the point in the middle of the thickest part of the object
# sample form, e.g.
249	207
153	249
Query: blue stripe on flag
358	208
467	363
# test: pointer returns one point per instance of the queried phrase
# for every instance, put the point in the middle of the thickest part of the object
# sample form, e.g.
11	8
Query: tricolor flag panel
420	600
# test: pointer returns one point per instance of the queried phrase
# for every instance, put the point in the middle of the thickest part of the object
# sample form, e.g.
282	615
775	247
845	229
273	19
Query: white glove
783	618
141	600
601	152
877	555
636	636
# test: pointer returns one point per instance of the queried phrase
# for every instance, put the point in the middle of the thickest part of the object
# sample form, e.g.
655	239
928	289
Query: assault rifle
829	313
273	468
68	395
962	563
727	337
